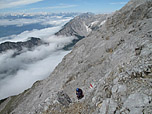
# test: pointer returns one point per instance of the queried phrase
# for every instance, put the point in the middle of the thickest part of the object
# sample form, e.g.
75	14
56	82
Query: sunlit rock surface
116	59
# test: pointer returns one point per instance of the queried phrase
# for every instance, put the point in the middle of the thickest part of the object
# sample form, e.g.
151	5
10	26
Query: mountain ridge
32	42
115	59
81	25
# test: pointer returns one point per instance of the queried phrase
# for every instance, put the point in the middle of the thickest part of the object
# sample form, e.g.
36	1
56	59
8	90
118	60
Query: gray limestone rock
137	101
82	25
63	98
109	58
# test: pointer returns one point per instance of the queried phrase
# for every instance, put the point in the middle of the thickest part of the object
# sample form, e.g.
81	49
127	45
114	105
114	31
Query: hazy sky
28	6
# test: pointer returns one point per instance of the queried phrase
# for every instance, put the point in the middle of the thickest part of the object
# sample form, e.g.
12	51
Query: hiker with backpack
79	93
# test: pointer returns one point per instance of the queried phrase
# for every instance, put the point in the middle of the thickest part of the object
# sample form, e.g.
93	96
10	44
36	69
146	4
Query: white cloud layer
57	23
13	3
43	21
43	33
19	22
20	72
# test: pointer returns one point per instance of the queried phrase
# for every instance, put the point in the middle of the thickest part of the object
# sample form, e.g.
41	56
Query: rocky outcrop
63	98
116	59
32	42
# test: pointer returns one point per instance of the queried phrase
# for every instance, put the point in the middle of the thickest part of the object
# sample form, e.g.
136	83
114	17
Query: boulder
63	98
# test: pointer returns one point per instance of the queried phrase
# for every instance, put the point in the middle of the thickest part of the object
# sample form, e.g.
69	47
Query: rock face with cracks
116	59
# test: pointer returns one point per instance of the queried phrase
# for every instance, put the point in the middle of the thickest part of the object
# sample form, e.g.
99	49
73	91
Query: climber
79	93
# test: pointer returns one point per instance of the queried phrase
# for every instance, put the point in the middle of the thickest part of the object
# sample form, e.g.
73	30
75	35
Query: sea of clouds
13	25
42	21
20	72
21	20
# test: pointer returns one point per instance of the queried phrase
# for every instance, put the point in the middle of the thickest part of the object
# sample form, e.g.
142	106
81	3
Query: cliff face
116	59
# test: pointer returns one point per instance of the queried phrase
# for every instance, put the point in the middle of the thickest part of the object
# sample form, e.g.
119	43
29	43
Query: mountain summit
81	25
115	59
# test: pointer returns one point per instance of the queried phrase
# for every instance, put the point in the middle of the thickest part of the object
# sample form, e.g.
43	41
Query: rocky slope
82	25
116	59
32	42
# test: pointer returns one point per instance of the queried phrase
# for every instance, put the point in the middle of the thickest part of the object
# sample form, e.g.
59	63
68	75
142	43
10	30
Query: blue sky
56	6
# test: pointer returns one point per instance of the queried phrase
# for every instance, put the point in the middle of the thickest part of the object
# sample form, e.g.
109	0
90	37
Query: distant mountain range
80	27
31	15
